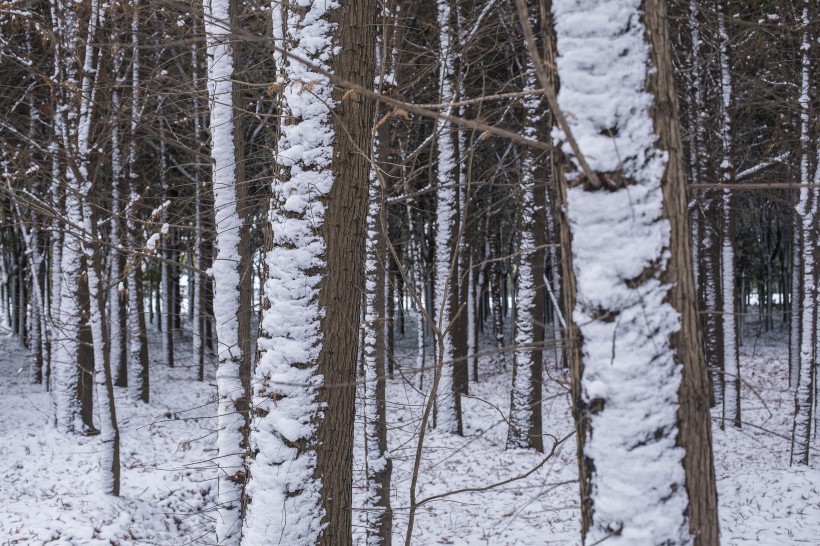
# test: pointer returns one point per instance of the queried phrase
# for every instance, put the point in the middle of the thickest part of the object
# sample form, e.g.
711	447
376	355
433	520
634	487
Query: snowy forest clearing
51	491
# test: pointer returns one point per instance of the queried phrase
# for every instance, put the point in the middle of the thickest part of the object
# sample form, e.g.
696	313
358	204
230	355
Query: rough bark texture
344	231
693	420
695	430
85	354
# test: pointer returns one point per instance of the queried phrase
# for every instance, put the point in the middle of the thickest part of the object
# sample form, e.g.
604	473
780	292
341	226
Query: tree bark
304	397
650	301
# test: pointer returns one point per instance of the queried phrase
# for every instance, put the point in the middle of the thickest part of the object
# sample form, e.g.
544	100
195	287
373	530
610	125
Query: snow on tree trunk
304	383
285	406
66	371
378	465
697	153
417	286
712	322
705	238
806	210
138	379
27	225
79	181
115	348
731	358
109	431
472	325
525	397
639	381
56	238
197	320
794	318
446	416
226	272
41	333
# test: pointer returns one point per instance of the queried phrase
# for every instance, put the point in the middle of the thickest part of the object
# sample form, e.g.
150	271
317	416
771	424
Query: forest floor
49	493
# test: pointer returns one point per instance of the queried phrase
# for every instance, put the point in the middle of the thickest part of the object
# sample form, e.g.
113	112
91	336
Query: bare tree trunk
166	292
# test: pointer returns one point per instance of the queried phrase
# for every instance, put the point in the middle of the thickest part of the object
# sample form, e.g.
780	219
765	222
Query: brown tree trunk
85	358
692	405
694	419
344	231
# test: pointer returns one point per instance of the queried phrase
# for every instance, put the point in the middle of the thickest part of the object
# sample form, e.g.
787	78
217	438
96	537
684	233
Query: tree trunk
304	397
116	330
525	397
166	248
378	465
228	268
448	399
139	379
635	321
731	383
807	211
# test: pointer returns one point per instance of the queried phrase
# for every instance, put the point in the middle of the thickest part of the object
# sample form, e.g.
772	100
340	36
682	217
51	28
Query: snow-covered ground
50	485
48	492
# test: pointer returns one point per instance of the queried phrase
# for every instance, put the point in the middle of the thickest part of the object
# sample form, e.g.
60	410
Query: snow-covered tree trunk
697	153
29	241
418	286
197	311
731	358
138	378
376	348
705	237
796	303
447	418
806	210
37	251
109	430
66	372
525	396
79	178
712	298
472	323
304	383
119	363
378	465
639	381
56	237
81	247
495	279
231	392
